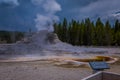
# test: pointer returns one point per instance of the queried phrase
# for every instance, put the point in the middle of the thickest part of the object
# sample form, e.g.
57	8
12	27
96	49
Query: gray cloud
26	14
81	9
37	2
40	14
19	16
101	8
9	2
71	8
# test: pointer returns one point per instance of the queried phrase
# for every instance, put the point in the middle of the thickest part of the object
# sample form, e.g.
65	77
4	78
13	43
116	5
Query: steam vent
31	44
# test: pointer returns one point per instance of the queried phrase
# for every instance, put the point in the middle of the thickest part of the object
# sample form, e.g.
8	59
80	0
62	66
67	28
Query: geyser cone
33	44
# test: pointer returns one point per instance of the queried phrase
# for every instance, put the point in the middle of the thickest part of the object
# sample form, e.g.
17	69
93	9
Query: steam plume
45	21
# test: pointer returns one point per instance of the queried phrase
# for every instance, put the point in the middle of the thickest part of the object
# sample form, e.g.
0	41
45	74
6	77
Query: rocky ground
45	70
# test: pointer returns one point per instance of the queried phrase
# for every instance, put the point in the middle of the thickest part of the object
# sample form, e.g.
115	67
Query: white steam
10	2
45	21
51	6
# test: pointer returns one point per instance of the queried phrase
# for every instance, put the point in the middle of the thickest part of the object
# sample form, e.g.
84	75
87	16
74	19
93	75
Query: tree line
10	36
88	33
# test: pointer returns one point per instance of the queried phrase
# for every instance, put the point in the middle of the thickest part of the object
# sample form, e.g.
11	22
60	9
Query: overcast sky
22	15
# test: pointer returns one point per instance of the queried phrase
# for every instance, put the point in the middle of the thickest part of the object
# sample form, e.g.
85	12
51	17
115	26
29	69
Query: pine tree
117	38
64	30
100	32
117	26
108	34
81	32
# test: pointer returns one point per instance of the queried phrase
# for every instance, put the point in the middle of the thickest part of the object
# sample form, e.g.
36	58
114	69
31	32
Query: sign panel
99	65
